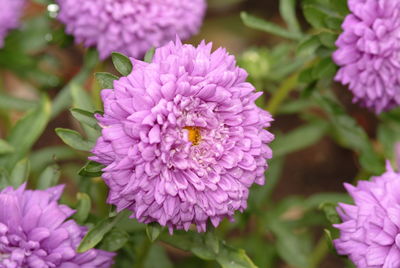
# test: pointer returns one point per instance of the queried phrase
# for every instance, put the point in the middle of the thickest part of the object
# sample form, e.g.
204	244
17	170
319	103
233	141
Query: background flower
369	234
130	26
10	13
368	53
182	138
35	232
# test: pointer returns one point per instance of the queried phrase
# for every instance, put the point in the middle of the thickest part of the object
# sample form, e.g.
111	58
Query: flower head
35	232
130	26
182	138
370	232
10	13
368	53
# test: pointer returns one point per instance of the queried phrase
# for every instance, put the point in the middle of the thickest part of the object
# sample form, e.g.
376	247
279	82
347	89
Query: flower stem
283	91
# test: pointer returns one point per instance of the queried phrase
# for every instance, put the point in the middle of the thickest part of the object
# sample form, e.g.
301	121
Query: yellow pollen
194	135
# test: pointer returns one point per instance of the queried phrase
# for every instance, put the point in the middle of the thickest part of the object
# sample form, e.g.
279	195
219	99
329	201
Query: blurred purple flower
183	139
370	232
130	26
10	14
368	53
35	232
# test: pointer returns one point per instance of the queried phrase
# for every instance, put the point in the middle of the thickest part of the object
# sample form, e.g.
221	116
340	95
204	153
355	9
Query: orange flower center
194	135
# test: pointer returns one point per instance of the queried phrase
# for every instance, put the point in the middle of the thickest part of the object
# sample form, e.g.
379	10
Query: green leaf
85	117
288	13
153	230
299	139
294	248
106	80
114	240
260	24
12	103
314	16
122	63
227	256
340	6
97	233
74	139
328	39
91	169
25	133
149	55
83	208
5	148
49	177
308	45
211	241
20	173
81	99
40	159
350	135
324	68
3	178
330	212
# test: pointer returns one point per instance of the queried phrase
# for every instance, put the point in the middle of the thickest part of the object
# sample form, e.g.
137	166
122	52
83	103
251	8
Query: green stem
319	252
283	91
142	253
64	98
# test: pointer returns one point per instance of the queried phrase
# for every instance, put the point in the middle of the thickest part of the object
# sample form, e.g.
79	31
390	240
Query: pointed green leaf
149	55
81	99
330	212
49	177
3	178
226	256
91	169
153	230
122	63
25	133
260	24
97	233
5	148
85	117
106	80
114	240
74	139
211	241
83	208
20	173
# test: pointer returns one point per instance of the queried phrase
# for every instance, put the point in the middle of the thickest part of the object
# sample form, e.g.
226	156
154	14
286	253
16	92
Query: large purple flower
10	14
182	138
130	26
370	232
35	232
368	53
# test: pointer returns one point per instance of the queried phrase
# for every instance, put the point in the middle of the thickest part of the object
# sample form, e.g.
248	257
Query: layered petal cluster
130	26
370	232
35	232
182	138
368	53
10	14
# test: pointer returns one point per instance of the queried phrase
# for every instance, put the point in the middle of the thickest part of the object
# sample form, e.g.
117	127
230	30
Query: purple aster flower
182	138
10	14
368	53
130	26
370	232
35	232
